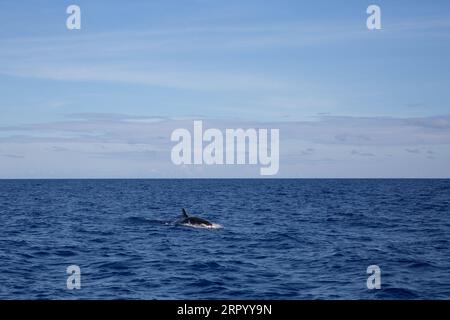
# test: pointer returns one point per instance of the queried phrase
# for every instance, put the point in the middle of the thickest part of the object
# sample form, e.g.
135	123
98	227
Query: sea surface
278	239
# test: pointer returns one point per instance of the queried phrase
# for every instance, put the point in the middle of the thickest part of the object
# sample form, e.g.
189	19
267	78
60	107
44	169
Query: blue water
280	239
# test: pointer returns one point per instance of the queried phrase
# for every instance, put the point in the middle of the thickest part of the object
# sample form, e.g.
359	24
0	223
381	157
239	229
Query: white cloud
85	143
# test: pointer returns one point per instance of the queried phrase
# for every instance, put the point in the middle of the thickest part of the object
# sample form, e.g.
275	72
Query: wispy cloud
414	151
12	156
187	79
362	154
124	141
162	56
361	131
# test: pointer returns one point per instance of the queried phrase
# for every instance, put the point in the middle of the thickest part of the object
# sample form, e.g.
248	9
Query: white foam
203	226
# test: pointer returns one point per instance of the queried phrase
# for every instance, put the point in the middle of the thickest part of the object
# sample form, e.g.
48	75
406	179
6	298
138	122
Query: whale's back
197	221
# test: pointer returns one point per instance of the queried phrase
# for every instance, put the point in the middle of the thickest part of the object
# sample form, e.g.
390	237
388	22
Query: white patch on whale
203	226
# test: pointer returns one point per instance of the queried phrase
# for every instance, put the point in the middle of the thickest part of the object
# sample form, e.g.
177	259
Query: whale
193	221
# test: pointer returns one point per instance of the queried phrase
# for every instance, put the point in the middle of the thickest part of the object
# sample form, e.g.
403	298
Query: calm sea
280	239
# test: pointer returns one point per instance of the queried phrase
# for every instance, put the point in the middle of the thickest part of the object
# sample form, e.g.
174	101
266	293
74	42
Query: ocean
276	239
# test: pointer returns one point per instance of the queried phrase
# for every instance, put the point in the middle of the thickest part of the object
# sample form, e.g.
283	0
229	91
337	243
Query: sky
101	102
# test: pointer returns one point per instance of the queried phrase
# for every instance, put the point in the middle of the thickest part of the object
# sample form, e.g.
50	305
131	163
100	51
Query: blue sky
100	101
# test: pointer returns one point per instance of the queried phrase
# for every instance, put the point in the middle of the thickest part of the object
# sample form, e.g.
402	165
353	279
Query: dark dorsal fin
184	213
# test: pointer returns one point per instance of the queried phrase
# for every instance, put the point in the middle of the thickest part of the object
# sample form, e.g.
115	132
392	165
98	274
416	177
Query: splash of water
204	226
